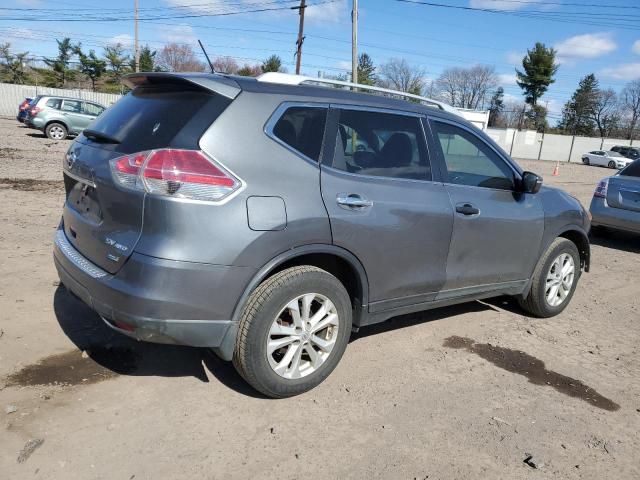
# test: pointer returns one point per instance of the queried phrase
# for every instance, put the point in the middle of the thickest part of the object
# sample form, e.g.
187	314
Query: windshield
632	170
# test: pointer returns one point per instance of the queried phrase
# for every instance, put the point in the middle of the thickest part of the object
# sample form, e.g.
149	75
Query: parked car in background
22	109
59	117
616	201
630	152
605	158
235	213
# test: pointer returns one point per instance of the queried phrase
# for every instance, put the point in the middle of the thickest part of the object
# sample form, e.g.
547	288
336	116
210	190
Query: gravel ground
470	391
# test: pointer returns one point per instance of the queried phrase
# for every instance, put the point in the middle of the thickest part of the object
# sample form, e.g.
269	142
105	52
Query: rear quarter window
160	116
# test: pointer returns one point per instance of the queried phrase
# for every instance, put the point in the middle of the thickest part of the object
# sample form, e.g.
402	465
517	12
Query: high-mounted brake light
175	173
601	189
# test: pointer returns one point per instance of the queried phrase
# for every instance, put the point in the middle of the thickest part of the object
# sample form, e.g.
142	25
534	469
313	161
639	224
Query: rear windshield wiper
100	137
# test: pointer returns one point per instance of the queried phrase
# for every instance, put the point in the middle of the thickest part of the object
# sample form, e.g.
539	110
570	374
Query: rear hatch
624	189
101	219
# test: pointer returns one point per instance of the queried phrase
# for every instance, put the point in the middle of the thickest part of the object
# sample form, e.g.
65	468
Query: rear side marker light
176	173
601	189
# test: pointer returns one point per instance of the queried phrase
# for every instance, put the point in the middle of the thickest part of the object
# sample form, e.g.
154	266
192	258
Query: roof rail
288	79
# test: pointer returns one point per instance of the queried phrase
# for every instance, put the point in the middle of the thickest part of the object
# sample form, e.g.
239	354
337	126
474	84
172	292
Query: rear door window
381	144
302	129
160	116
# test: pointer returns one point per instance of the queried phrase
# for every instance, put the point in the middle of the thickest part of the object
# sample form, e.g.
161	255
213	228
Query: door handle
467	209
352	201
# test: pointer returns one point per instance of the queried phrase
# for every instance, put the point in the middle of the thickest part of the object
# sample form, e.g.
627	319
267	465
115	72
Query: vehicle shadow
419	318
126	356
615	239
36	135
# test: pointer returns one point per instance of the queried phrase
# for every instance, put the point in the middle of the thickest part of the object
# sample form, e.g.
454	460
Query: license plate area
83	199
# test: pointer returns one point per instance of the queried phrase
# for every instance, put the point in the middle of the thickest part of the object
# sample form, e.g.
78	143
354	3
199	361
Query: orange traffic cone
556	170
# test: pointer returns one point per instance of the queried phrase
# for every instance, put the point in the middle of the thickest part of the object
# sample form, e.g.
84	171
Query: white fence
531	145
12	95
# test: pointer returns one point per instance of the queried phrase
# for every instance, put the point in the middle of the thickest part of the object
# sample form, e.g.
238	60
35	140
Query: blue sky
605	41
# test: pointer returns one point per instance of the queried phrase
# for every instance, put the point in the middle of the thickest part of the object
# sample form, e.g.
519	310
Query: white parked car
605	159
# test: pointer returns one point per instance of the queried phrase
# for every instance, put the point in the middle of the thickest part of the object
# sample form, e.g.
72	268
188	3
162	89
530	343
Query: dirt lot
463	392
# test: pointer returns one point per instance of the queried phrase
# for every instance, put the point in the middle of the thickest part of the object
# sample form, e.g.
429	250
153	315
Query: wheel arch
339	262
581	240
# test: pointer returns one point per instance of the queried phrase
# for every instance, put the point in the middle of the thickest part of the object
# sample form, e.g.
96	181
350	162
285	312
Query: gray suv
59	117
268	221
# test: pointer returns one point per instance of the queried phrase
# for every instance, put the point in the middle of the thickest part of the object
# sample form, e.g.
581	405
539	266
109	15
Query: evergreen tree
366	70
91	65
272	64
117	60
539	67
13	64
496	106
579	112
147	60
60	64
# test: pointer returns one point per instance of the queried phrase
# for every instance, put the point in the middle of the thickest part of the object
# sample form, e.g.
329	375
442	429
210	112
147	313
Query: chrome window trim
76	258
277	115
78	178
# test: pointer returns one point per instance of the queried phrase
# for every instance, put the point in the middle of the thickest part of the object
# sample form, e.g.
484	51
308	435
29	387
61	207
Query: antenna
205	54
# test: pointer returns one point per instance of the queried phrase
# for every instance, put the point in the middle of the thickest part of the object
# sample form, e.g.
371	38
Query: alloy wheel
560	279
302	336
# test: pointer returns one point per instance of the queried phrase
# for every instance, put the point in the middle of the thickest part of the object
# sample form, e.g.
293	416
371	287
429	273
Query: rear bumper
158	300
618	218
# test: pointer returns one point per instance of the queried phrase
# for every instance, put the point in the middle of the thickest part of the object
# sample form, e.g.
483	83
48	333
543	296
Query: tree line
591	111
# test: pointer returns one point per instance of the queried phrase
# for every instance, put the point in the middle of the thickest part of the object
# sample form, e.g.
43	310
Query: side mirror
531	182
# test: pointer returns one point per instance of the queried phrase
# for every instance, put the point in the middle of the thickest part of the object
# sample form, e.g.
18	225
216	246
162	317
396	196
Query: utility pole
136	48
301	9
354	42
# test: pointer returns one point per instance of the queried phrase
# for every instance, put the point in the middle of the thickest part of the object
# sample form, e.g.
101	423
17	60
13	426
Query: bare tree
467	87
513	115
179	57
399	75
225	65
606	112
630	100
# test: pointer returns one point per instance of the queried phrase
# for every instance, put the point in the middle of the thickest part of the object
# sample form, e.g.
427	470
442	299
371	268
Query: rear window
633	170
160	116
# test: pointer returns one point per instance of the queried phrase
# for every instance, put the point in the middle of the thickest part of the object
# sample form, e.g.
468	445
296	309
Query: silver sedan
616	201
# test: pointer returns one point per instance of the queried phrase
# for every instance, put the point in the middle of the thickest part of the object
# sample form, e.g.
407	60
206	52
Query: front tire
554	280
293	331
56	131
612	164
585	160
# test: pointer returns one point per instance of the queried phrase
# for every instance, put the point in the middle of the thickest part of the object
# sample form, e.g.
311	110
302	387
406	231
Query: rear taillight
176	173
601	189
34	111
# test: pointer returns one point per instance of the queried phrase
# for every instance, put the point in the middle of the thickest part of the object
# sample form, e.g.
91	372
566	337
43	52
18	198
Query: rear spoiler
219	84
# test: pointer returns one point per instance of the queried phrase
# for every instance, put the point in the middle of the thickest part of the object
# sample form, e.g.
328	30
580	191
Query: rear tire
275	315
56	131
551	291
612	164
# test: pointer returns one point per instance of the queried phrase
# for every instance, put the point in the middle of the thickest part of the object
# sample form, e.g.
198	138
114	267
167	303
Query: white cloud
344	65
319	13
501	4
627	71
179	34
123	39
590	45
507	79
515	58
29	3
635	48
